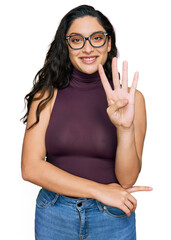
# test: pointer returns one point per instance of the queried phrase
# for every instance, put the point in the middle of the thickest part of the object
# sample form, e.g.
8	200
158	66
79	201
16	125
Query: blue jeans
63	218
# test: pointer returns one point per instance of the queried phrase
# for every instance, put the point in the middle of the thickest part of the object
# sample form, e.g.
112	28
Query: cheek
73	55
71	58
104	55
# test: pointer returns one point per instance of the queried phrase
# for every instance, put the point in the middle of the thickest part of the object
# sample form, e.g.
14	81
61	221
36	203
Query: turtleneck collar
84	80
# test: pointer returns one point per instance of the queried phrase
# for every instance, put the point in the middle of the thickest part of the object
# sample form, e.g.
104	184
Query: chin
89	69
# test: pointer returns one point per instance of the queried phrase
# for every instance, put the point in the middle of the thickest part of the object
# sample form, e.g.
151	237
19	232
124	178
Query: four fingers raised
115	75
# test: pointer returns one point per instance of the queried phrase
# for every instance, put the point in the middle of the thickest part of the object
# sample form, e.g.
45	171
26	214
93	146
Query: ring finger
129	205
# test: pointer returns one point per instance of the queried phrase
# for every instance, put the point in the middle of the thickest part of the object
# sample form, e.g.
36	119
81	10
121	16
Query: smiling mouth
88	60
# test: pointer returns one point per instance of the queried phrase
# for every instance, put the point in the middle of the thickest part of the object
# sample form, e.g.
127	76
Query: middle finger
115	74
133	201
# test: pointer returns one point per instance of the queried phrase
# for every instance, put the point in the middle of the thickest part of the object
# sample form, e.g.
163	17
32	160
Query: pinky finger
126	210
134	83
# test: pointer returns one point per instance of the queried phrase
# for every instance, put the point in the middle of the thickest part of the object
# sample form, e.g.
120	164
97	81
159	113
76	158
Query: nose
87	47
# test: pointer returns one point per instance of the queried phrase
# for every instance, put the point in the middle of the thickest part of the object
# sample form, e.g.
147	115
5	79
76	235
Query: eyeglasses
77	41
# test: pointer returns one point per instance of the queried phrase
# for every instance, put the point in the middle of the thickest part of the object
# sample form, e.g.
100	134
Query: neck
84	80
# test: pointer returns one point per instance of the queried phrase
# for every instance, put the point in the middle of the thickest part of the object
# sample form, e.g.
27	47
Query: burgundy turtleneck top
80	137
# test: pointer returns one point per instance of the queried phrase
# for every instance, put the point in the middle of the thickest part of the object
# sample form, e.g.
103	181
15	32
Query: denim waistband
80	203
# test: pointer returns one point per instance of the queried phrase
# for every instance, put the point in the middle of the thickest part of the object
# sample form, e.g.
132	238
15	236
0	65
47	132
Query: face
88	58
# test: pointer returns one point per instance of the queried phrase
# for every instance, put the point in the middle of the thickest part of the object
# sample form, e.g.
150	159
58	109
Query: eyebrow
74	33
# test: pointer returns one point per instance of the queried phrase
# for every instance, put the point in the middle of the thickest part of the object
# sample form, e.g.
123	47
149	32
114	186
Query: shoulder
140	107
38	99
139	98
140	111
42	97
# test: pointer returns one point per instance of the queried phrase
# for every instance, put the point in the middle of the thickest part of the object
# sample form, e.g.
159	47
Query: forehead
85	26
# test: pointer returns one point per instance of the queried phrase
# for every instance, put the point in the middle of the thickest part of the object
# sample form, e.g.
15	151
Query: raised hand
121	100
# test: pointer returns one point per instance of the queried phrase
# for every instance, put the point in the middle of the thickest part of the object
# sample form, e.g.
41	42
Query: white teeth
89	59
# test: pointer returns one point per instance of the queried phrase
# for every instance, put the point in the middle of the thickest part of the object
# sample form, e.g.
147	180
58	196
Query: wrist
126	135
125	130
97	191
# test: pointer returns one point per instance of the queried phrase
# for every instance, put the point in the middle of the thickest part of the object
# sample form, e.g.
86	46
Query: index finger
138	189
105	82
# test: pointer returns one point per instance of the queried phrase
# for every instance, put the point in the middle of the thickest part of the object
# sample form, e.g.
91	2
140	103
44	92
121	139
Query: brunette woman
84	136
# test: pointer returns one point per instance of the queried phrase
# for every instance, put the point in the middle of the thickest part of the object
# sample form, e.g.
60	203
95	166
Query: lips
88	60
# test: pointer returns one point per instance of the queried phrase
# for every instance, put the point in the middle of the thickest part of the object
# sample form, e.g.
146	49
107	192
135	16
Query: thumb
114	106
138	189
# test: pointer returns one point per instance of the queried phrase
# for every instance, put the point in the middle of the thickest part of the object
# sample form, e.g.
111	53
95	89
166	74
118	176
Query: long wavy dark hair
57	69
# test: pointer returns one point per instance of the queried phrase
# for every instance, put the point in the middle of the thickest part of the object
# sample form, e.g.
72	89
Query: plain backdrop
143	39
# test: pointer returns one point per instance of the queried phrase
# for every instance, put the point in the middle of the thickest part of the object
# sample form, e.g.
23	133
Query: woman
90	135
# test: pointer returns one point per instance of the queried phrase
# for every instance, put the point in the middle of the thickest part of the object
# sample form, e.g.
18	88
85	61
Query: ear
109	44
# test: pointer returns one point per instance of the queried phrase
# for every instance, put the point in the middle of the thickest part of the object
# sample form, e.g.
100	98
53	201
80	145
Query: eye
97	37
76	39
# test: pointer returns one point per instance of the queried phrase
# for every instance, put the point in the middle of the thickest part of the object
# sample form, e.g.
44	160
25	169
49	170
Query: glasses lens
76	41
98	39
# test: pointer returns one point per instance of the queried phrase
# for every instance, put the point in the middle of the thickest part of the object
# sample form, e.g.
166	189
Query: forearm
56	180
127	165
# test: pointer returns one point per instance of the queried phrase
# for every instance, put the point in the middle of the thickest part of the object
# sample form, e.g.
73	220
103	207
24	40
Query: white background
144	39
